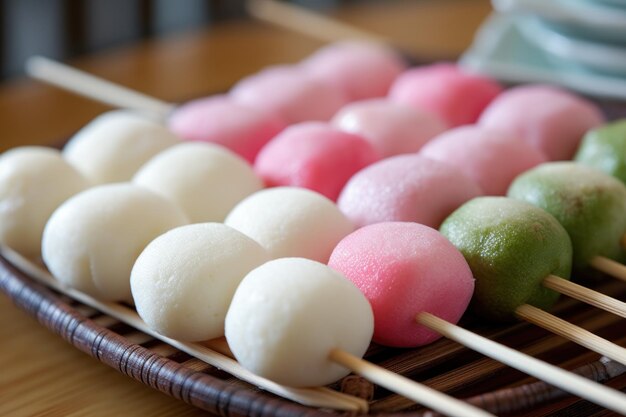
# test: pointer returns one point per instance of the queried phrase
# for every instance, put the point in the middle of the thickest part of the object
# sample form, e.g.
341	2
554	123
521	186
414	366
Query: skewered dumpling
589	204
93	239
34	181
115	145
288	314
510	246
184	280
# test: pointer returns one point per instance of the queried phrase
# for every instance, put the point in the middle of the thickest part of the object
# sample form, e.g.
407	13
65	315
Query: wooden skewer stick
383	377
317	397
609	267
585	295
572	332
302	20
314	397
419	393
575	384
82	83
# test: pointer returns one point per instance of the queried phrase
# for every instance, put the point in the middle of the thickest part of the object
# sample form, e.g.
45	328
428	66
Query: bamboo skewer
419	393
609	267
572	332
95	88
575	384
301	20
322	397
585	295
317	397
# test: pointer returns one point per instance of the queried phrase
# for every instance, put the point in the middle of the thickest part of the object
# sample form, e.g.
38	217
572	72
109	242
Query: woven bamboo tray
443	365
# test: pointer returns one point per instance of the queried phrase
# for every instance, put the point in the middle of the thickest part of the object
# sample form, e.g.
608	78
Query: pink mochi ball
219	119
289	93
392	128
492	158
446	90
314	155
409	188
361	70
549	118
404	269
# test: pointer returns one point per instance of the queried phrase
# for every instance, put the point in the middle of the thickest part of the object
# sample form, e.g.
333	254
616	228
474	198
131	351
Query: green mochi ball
604	149
589	204
510	246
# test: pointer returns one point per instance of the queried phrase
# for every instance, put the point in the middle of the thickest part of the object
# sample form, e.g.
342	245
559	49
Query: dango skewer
418	189
388	251
590	205
340	355
171	273
519	236
315	397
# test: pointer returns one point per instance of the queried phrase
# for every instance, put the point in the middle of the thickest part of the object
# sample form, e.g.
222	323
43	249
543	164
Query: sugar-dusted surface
444	89
491	157
549	118
392	128
316	156
361	70
405	269
406	188
204	179
219	119
113	146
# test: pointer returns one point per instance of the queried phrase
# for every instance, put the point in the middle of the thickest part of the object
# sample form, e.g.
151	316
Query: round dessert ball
93	239
289	93
221	120
406	188
115	145
492	158
392	128
511	247
550	119
589	204
34	181
205	180
361	70
458	97
604	148
316	156
287	316
184	280
291	222
405	269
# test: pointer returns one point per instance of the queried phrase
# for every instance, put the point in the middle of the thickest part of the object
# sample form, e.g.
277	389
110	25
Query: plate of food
323	267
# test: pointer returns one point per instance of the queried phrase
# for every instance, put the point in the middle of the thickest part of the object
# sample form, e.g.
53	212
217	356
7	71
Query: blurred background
62	29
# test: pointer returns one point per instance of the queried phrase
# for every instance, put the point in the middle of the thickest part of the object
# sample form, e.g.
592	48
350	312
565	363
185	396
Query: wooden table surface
40	374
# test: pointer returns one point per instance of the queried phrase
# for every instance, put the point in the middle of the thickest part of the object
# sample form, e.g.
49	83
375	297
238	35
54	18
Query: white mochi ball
34	181
93	239
115	145
291	222
206	180
184	280
288	314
